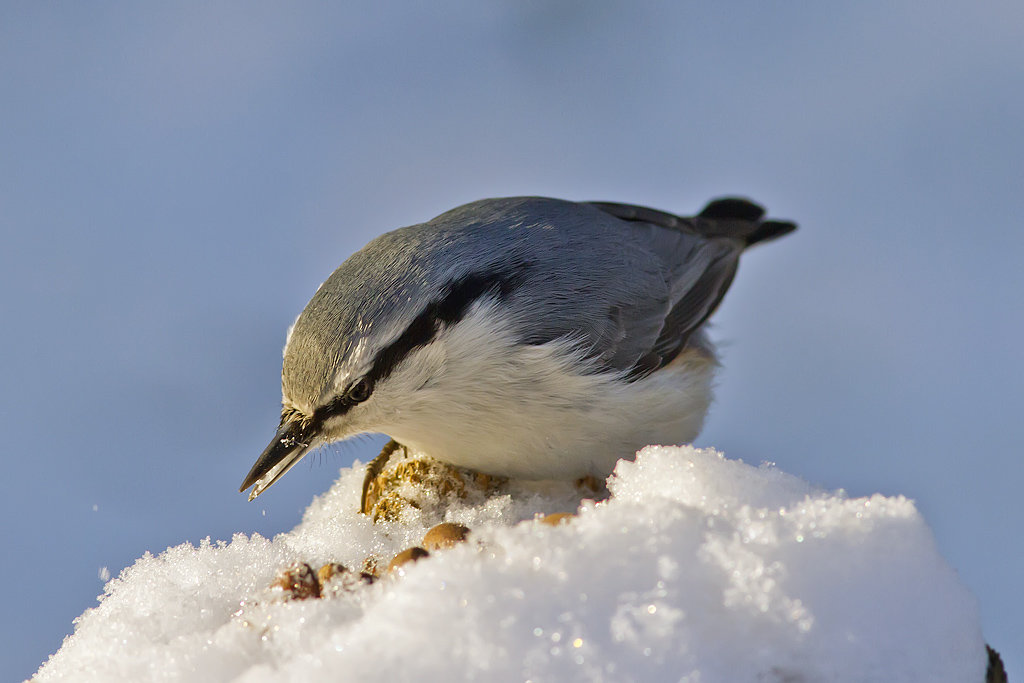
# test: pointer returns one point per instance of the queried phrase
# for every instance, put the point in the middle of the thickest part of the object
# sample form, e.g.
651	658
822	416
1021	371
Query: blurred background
177	178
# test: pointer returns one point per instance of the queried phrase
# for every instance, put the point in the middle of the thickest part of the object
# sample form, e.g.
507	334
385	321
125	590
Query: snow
697	568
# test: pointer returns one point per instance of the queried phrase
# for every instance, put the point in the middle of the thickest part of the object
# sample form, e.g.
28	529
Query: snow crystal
697	568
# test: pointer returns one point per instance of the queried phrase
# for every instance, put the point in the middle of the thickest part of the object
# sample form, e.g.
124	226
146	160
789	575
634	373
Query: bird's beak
291	442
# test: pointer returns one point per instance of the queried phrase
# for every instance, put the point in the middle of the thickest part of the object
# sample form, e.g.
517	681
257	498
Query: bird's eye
359	392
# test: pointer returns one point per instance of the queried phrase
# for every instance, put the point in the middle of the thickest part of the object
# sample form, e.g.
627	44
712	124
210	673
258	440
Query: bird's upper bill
292	441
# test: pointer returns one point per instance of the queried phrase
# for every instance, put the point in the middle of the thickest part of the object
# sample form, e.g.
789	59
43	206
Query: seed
445	535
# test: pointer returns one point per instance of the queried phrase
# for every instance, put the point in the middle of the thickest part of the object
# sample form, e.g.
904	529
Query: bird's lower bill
285	449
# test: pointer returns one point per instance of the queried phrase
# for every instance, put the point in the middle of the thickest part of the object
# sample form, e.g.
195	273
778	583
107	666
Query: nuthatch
526	337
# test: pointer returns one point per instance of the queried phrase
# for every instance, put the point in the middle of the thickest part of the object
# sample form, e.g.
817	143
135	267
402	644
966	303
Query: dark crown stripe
451	307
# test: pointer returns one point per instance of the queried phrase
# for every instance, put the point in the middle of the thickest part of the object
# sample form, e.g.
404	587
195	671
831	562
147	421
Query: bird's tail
740	219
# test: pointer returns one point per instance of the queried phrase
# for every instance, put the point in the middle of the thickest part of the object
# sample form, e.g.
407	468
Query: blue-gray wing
630	283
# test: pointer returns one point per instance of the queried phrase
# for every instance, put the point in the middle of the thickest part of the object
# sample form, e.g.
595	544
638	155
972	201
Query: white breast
475	399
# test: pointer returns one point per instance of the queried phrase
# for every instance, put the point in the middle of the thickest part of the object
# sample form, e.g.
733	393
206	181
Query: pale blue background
177	178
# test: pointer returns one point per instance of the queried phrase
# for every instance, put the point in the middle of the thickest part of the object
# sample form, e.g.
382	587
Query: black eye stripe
448	309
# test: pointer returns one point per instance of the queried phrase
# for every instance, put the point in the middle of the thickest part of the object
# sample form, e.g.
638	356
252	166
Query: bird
524	337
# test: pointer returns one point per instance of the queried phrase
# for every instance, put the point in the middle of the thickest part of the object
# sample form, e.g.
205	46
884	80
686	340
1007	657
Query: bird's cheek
342	427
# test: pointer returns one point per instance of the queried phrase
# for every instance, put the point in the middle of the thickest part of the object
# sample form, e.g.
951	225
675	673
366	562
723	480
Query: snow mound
697	568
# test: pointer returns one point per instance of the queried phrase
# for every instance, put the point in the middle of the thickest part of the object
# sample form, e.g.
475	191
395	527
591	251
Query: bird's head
366	350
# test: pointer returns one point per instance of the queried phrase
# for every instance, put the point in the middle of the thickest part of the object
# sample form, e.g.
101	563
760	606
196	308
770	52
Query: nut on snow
445	535
408	555
336	577
556	518
329	571
409	480
297	582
